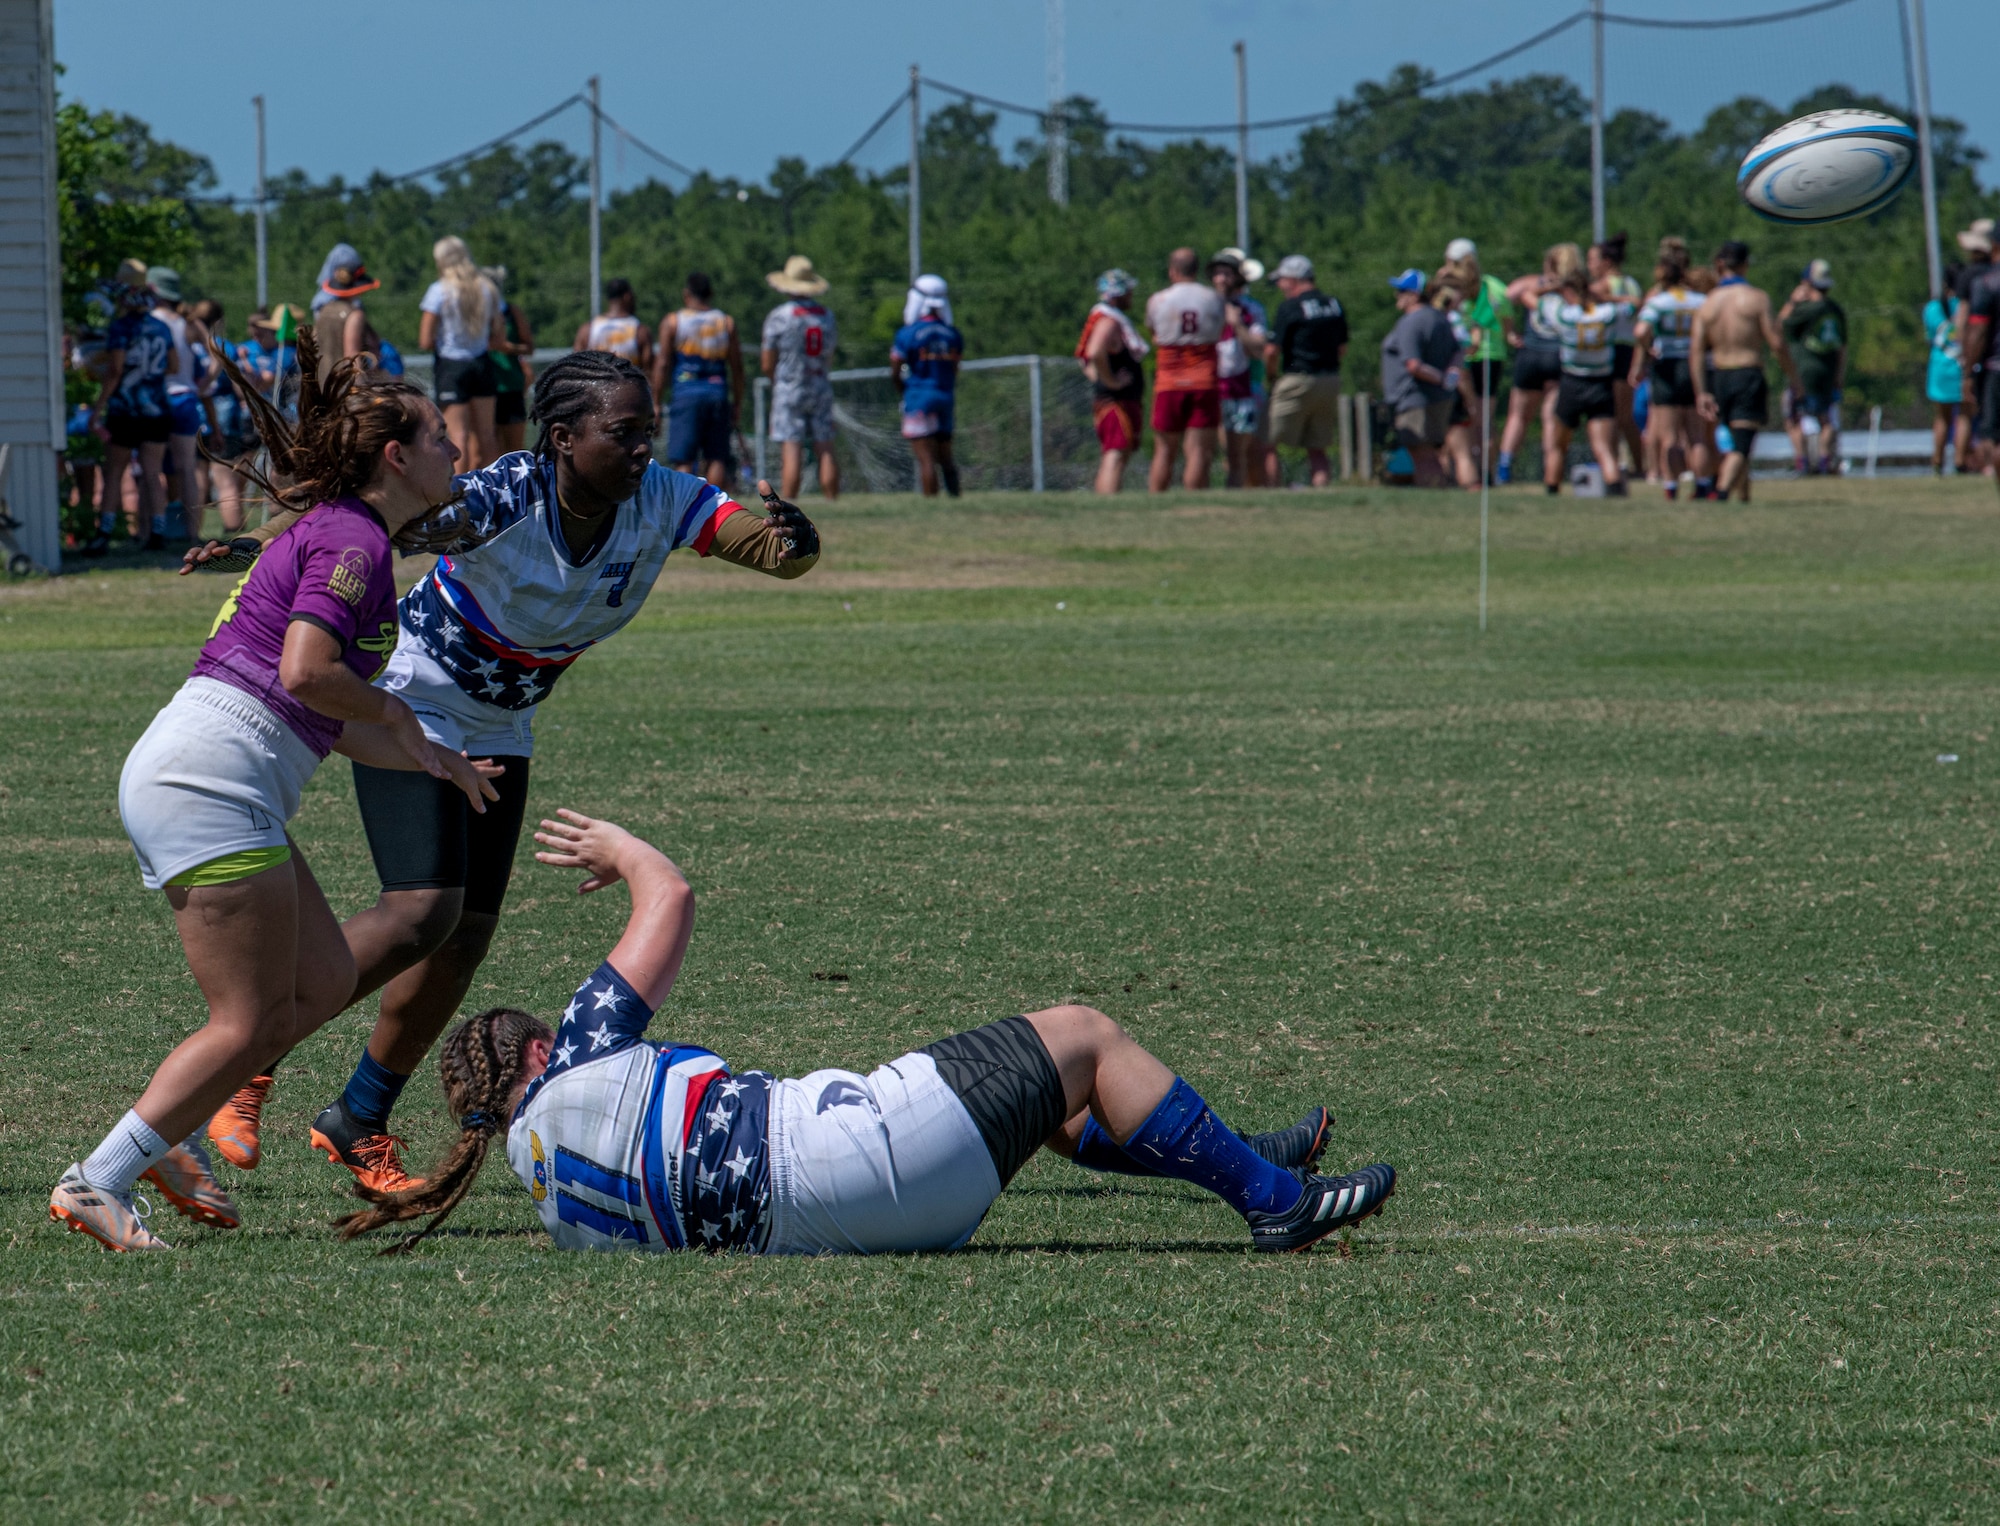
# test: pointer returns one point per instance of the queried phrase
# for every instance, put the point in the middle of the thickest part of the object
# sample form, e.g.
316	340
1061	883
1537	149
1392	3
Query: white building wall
31	394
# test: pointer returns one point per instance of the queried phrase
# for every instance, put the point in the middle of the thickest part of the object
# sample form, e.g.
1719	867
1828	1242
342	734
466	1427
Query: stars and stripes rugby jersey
628	1145
508	613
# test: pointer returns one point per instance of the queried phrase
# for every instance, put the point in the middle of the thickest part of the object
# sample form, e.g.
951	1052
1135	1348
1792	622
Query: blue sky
363	85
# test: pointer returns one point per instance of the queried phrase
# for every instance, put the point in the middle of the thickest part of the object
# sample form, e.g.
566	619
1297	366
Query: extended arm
784	543
662	920
1642	351
427	331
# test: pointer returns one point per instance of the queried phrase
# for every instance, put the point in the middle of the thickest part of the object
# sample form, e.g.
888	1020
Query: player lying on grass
629	1145
205	795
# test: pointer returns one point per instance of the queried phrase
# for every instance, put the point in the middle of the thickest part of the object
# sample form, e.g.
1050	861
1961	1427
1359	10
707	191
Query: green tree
120	192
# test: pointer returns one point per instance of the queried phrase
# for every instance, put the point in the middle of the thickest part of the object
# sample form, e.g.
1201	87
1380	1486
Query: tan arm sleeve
745	539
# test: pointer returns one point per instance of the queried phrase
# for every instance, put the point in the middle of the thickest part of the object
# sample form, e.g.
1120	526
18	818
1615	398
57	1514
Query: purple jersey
332	569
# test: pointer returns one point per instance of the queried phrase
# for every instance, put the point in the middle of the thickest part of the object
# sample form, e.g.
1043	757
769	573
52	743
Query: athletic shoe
98	545
373	1157
236	1128
154	541
1327	1204
109	1218
1299	1145
186	1180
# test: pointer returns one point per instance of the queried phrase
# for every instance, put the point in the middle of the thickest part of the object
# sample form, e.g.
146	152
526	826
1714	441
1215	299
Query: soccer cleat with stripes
1328	1203
109	1218
373	1157
236	1130
1299	1145
187	1180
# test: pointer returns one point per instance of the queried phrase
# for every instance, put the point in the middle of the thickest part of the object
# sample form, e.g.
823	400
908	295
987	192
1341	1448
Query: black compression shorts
1584	397
1536	368
1003	1075
424	834
1744	397
1673	383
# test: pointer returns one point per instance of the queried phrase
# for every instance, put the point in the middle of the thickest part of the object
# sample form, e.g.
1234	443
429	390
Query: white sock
128	1151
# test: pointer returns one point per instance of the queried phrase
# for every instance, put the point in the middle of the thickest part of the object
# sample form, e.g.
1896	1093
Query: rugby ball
1828	167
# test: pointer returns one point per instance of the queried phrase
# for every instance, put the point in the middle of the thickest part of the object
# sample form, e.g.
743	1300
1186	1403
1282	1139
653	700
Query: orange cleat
234	1130
187	1181
374	1158
109	1218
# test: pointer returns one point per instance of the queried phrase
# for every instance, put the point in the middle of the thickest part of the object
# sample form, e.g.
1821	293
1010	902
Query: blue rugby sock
1185	1140
372	1092
1098	1151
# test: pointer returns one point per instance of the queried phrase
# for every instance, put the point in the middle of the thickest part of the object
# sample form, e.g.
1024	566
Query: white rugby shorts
451	717
216	773
889	1161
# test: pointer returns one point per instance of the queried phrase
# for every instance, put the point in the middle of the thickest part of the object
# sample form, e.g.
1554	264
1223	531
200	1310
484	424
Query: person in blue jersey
923	360
625	1143
700	366
542	556
132	414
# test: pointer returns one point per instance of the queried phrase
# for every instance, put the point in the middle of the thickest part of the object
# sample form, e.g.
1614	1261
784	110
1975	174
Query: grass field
1649	935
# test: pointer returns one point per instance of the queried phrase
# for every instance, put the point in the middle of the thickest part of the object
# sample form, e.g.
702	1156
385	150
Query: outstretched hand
582	842
800	535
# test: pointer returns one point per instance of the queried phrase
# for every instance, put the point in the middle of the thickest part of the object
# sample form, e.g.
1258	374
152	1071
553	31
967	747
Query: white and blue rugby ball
1828	167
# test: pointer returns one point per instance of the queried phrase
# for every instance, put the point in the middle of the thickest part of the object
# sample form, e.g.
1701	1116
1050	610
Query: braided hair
481	1063
573	388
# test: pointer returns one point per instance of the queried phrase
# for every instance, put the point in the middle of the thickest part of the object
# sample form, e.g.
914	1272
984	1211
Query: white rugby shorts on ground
451	717
216	773
889	1161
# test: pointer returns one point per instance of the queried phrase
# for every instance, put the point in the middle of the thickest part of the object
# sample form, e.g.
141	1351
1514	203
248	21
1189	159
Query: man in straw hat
1979	363
799	339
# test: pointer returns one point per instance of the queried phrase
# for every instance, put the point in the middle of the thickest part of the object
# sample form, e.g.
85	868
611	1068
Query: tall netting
994	434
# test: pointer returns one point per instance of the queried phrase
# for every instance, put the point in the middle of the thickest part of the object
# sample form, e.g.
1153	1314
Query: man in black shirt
1979	360
1307	338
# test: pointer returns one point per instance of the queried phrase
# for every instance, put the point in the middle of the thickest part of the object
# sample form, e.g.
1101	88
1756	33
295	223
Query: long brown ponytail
333	449
480	1062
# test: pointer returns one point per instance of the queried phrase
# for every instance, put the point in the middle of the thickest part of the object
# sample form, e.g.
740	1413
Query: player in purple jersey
283	680
625	1144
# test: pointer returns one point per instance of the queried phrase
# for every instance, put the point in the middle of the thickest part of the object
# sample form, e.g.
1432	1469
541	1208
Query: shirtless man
1733	331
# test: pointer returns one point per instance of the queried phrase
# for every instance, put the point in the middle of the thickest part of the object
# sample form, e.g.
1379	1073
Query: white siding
31	402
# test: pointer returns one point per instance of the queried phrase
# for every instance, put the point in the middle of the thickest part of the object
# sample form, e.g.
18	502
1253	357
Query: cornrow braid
573	388
334	448
480	1062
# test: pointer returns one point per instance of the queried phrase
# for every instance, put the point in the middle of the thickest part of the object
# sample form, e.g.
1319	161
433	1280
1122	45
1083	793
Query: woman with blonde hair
462	327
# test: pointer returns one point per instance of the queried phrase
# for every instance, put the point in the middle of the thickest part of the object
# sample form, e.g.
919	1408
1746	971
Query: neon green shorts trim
232	867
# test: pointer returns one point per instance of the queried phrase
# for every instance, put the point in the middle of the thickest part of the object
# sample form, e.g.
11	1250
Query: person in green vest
1490	314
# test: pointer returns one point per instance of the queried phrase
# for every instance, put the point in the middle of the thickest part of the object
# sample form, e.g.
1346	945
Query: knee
1086	1026
425	920
465	945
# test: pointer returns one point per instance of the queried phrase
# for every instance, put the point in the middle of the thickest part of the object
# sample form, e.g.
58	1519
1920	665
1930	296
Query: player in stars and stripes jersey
542	556
625	1143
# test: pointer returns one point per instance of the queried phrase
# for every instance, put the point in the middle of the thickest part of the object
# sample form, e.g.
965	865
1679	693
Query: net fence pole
916	177
1485	475
1242	149
1058	126
1035	418
760	406
1597	120
596	194
263	255
1928	178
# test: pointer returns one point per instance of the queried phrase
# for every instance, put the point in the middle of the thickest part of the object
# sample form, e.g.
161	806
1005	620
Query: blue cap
1410	280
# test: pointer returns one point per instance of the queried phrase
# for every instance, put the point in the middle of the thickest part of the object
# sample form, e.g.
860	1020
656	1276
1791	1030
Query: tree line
1397	173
